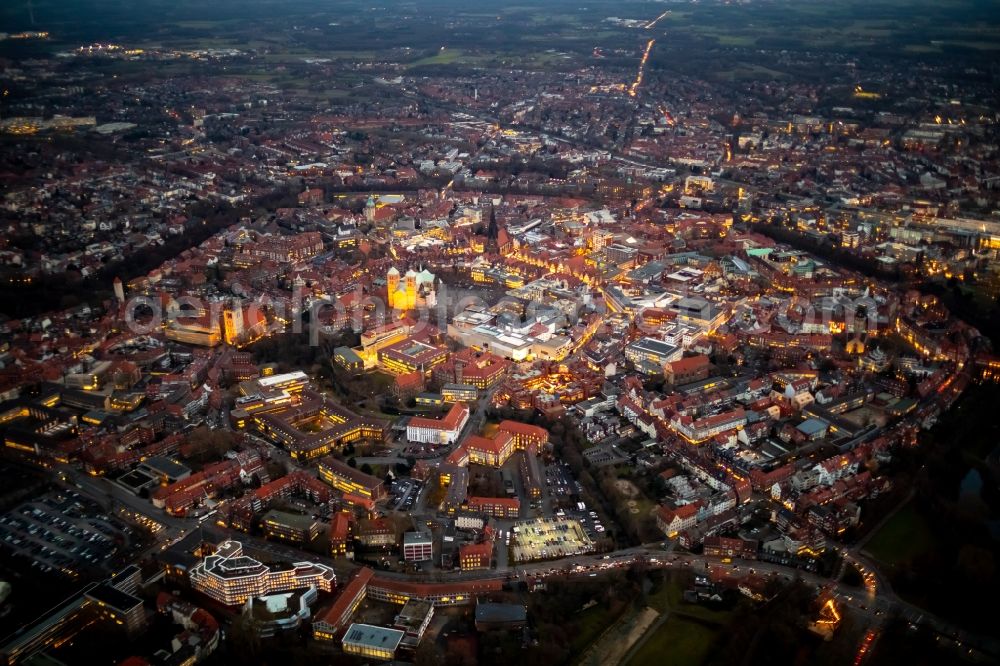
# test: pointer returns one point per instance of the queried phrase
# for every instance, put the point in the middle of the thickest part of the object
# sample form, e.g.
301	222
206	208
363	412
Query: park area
678	641
902	539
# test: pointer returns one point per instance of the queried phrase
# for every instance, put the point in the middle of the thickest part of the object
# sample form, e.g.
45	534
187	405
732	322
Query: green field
677	642
445	57
905	537
590	624
887	27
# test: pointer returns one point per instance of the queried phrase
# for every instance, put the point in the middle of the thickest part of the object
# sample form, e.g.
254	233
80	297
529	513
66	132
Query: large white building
439	431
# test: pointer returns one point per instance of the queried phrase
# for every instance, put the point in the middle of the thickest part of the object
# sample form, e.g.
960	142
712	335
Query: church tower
492	232
370	210
411	289
391	285
232	322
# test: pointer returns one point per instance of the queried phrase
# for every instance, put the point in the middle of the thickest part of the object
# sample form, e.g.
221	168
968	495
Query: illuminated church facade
412	290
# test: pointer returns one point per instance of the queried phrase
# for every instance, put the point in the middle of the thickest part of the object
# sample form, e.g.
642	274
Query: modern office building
459	393
230	577
164	470
699	312
117	607
277	613
293	382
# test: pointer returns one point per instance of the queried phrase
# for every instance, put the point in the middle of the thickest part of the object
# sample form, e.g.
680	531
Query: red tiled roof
516	429
690	363
334	613
339	526
483	550
449	422
510	502
494	446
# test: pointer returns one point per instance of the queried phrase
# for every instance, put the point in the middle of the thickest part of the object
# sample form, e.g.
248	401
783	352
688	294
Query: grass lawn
667	597
736	40
589	625
903	538
677	642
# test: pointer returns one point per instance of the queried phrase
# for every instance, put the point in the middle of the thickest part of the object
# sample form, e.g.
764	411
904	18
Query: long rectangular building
398	591
345	478
497	507
329	622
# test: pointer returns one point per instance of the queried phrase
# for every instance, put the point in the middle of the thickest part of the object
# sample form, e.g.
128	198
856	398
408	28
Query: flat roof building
459	393
655	352
413	619
117	606
292	527
500	616
418	547
411	355
164	469
276	613
366	640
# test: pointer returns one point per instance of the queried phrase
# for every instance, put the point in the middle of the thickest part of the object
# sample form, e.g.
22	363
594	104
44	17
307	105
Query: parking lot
61	532
559	480
405	493
542	539
588	520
